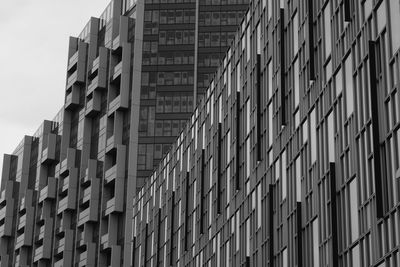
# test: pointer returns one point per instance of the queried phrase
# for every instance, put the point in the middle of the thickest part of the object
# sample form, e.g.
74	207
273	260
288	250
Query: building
132	74
292	157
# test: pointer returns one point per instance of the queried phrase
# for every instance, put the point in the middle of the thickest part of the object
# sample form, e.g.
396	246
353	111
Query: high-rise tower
67	191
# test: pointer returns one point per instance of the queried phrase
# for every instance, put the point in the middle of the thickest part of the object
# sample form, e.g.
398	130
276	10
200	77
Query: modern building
67	191
293	156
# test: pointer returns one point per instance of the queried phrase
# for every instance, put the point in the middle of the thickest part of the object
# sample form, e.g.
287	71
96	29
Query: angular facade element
132	74
292	157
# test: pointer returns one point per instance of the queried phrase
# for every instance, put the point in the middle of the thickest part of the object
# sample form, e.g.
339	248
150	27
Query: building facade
292	158
67	191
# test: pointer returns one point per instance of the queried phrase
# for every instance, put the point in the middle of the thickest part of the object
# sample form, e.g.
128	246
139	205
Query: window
381	16
269	70
338	82
296	87
248	159
315	242
313	137
394	23
298	179
331	138
270	127
283	159
355	255
284	258
295	34
353	198
327	21
349	86
238	82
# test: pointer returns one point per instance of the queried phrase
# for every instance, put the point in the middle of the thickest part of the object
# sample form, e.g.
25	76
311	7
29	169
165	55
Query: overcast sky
33	59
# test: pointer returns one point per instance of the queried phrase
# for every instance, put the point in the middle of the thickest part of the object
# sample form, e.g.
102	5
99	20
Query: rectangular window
394	23
315	242
248	159
327	21
298	179
295	34
296	86
283	159
248	117
248	50
353	198
258	39
355	255
331	138
270	128
259	210
284	258
349	86
338	82
238	82
269	70
313	137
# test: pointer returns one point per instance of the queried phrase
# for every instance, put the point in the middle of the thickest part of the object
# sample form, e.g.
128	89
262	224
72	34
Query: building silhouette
287	155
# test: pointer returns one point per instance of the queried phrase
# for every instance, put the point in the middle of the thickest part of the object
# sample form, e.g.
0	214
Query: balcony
117	104
116	45
48	192
80	240
73	60
82	259
110	144
59	229
3	212
104	244
22	222
2	228
72	79
40	235
93	106
94	84
112	207
64	185
49	152
72	100
22	204
59	246
95	64
111	174
20	241
117	71
3	197
6	228
86	194
38	254
67	203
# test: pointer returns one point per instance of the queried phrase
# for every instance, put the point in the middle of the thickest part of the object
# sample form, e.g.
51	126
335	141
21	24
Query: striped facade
292	157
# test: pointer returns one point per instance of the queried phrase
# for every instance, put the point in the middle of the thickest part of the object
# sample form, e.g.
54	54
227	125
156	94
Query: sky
33	61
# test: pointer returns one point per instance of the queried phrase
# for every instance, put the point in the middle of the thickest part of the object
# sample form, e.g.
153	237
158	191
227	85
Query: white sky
33	59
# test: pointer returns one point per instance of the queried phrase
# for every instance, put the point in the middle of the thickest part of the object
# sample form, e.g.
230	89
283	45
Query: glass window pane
296	83
354	210
394	23
298	180
331	138
315	242
283	174
327	20
313	137
349	86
